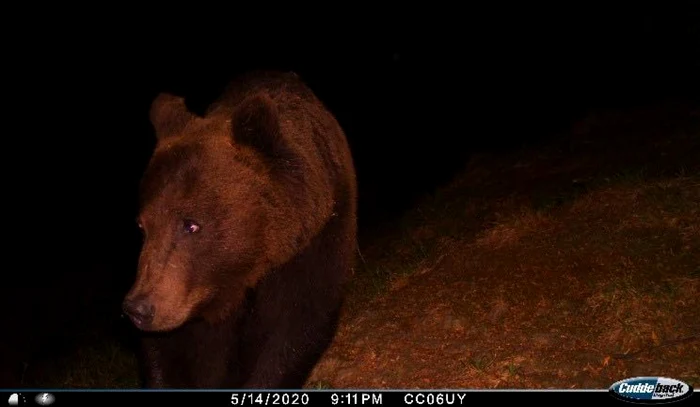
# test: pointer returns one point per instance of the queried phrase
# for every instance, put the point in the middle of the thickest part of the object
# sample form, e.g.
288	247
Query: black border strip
92	397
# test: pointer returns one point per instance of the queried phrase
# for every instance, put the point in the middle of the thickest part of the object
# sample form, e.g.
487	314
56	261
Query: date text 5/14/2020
303	399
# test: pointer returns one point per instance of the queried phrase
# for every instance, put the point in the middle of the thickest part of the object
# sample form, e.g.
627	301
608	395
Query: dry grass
556	267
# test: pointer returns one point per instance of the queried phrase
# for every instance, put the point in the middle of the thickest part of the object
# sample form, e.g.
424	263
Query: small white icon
13	400
44	399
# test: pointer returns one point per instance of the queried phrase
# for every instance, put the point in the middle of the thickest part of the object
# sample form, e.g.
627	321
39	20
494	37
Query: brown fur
268	176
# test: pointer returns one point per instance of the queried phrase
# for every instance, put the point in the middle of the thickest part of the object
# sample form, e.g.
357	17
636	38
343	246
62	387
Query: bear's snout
140	310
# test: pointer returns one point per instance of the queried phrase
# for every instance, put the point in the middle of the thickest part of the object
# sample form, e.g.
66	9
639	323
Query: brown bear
248	213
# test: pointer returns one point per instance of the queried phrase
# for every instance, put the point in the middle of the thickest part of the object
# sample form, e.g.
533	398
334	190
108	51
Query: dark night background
415	99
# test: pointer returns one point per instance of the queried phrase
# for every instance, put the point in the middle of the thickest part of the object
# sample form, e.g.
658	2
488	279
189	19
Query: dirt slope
571	266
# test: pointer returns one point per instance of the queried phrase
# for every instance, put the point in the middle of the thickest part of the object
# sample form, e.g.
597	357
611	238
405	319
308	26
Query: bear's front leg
289	354
196	356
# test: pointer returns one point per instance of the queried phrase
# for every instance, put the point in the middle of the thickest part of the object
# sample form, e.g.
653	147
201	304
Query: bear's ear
168	114
255	123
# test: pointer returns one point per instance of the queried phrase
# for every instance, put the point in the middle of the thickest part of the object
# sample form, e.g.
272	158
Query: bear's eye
191	226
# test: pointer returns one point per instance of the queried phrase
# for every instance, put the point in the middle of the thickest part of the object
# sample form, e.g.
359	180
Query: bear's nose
139	310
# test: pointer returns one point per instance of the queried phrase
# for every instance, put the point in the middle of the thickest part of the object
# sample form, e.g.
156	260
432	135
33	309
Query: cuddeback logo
651	390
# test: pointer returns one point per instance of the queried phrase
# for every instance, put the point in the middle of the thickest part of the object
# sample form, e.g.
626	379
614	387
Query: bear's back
305	121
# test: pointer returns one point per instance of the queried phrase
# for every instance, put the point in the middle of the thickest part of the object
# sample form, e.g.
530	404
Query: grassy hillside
574	264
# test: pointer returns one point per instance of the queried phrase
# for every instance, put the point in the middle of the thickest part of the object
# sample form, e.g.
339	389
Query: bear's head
211	212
